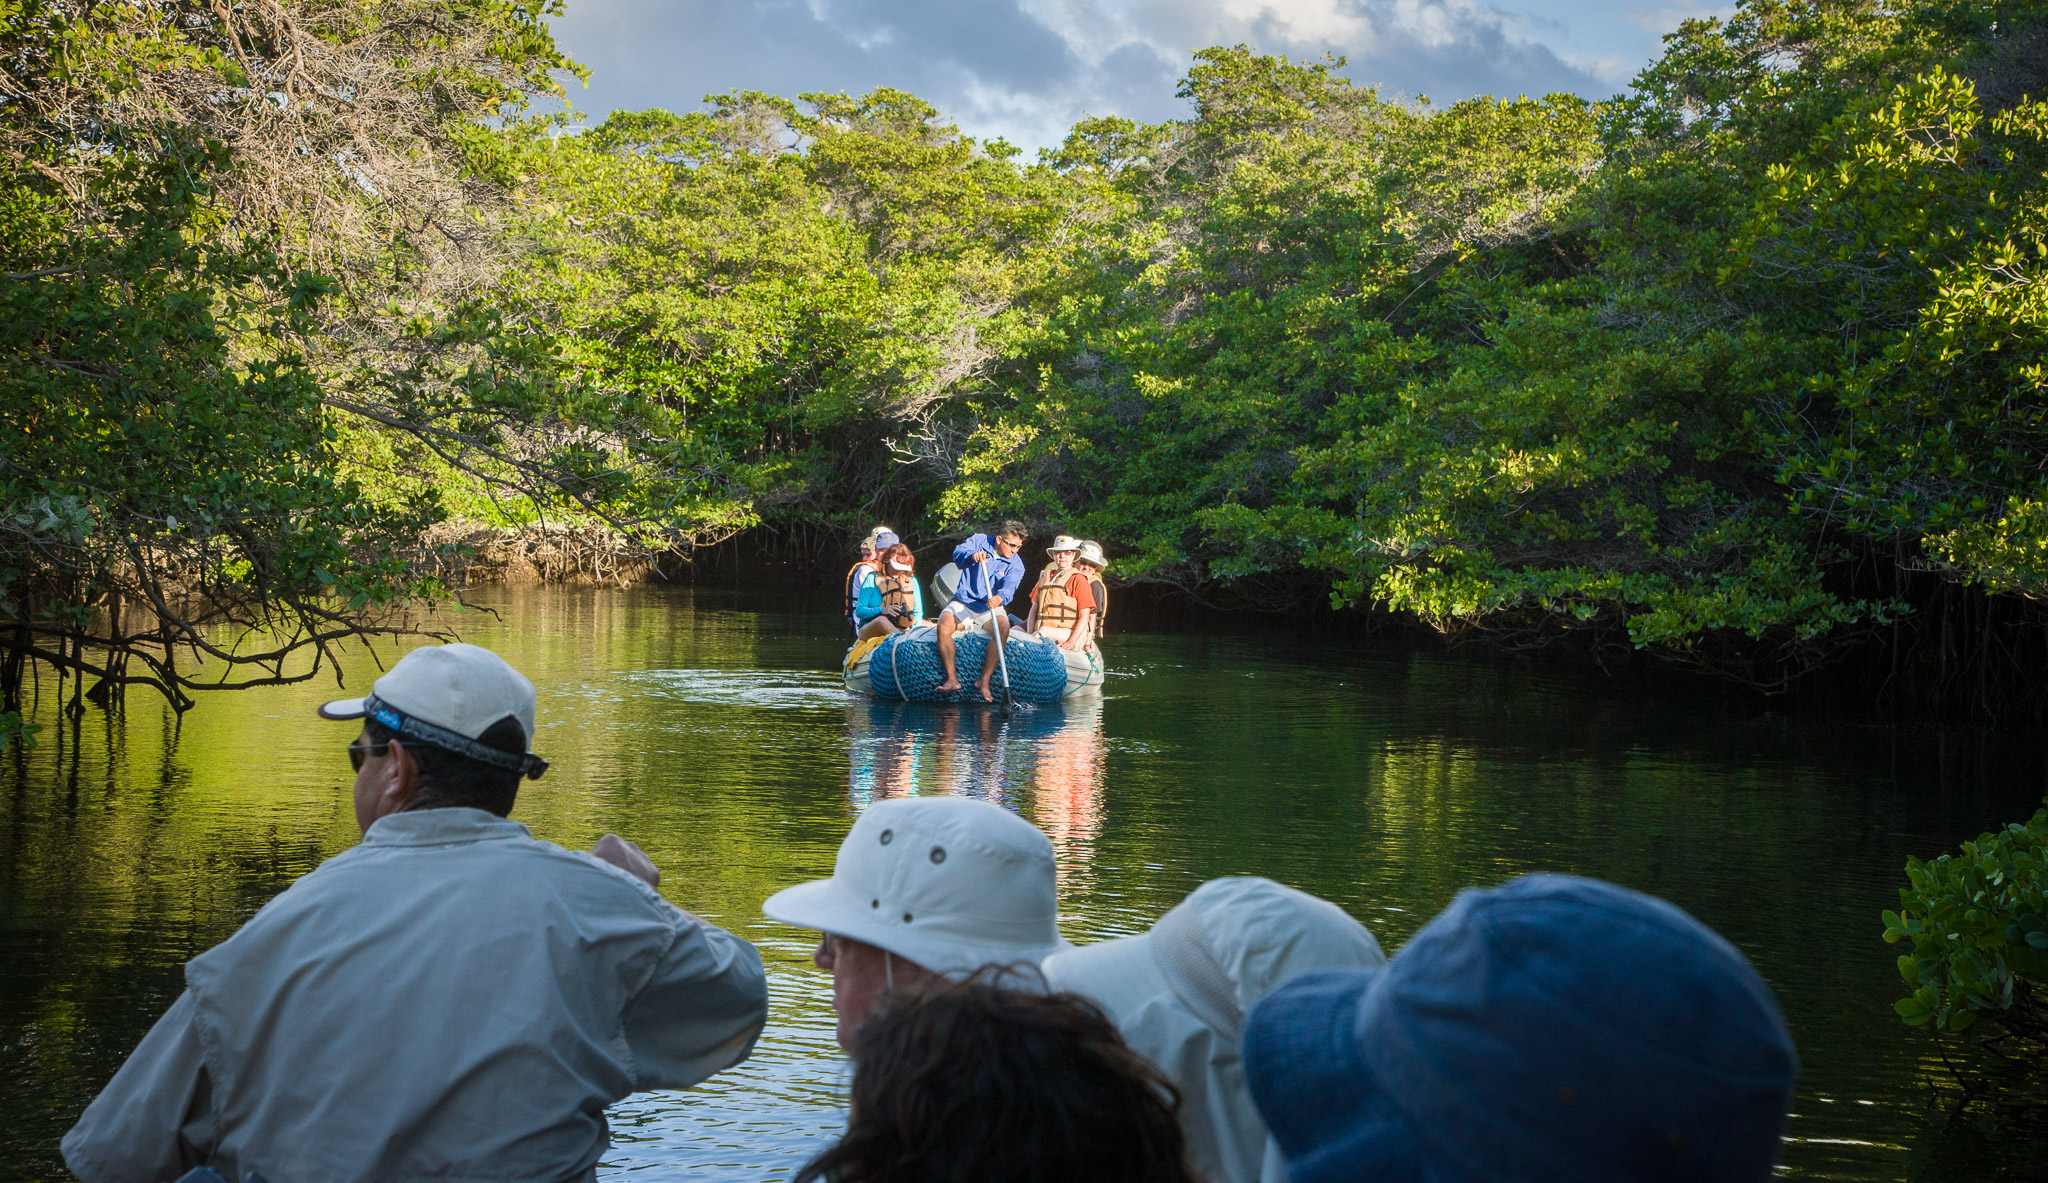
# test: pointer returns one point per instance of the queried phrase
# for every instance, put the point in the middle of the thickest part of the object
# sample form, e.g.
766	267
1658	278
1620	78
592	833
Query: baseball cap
447	696
950	883
1550	1029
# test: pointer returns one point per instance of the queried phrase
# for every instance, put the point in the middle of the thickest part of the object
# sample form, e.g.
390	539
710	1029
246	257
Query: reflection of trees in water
1982	1124
1050	758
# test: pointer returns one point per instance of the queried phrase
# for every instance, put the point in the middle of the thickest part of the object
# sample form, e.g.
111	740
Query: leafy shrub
1978	921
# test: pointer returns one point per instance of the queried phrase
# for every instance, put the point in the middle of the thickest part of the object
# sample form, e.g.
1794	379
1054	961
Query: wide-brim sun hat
1550	1029
1091	552
1063	542
949	883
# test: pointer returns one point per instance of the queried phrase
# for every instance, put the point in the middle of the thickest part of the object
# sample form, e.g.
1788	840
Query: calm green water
712	730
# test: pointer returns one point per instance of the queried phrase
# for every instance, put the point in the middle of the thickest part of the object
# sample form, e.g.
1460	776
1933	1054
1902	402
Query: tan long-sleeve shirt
450	1000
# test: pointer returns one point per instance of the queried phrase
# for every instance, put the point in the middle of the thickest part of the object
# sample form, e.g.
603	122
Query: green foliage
775	285
1978	924
13	730
195	241
1665	369
1659	368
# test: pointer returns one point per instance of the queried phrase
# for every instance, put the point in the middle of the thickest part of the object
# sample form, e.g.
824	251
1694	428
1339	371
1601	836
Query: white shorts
968	617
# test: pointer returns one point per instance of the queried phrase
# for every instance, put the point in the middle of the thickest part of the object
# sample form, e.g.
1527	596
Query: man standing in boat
990	574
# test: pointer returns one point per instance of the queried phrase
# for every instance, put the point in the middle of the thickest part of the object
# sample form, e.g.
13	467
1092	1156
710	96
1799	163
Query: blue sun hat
1550	1029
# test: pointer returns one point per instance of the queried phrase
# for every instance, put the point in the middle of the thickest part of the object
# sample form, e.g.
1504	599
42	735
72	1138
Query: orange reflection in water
1066	796
1048	759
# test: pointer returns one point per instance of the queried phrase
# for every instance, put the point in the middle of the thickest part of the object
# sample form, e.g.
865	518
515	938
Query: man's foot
987	695
950	684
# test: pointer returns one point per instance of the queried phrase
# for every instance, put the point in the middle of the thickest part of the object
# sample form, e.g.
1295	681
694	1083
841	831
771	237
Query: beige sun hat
1063	542
950	883
1091	552
1179	995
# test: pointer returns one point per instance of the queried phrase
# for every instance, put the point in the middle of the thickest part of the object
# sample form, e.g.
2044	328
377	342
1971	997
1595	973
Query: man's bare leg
947	623
1000	623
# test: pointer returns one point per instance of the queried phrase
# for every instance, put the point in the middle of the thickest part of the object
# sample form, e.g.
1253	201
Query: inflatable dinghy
905	666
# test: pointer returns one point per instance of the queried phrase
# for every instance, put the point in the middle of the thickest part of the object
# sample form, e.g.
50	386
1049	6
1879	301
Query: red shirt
1078	591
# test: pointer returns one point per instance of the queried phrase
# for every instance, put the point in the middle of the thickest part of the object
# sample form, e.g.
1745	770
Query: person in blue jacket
990	574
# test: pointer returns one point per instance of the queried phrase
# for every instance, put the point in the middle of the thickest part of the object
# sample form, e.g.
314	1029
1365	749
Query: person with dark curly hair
960	1080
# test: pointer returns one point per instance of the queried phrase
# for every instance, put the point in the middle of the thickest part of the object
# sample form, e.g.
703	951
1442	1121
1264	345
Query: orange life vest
1101	594
852	591
898	591
1055	608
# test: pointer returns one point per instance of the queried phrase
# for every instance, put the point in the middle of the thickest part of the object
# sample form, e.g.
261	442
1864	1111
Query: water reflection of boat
905	666
1048	761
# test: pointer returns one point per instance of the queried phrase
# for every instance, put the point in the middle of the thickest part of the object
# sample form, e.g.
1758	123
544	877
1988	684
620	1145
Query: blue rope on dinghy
909	669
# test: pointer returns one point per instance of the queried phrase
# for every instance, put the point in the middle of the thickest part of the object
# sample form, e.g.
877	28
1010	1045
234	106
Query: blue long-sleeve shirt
867	601
1008	574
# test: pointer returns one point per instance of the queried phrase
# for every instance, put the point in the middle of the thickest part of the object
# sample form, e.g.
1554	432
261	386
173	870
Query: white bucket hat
1091	552
1063	542
1179	995
950	883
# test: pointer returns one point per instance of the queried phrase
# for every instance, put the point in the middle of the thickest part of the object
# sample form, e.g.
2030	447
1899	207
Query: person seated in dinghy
1094	562
863	596
901	599
1063	602
990	574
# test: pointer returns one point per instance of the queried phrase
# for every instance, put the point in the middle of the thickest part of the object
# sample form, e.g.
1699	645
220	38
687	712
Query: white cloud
1026	69
1663	18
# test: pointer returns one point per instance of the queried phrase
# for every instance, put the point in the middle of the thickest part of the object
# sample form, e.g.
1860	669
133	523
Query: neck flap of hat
1181	949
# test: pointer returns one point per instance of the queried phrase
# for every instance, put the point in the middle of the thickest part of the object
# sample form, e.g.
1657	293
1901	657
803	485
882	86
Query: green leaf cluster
1977	922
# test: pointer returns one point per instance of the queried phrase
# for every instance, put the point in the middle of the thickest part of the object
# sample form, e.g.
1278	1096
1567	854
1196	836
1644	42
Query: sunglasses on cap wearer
358	752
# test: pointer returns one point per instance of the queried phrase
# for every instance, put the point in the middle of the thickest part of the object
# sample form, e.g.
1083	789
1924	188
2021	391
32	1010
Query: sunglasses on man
358	752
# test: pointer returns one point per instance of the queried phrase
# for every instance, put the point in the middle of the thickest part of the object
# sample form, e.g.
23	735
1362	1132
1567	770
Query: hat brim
1061	550
343	708
820	905
1320	1098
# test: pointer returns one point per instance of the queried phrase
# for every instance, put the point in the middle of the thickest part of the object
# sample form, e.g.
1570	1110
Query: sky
1025	70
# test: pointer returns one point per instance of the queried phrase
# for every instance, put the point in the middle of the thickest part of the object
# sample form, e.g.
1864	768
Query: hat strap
1185	960
525	763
